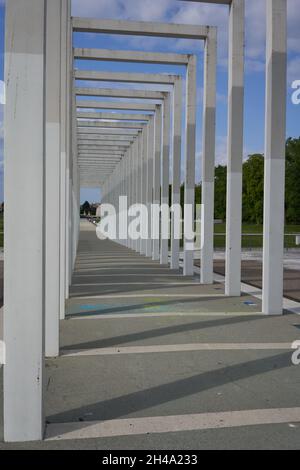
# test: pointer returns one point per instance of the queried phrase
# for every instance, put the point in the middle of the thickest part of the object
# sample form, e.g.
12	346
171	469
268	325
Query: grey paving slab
102	388
178	330
252	274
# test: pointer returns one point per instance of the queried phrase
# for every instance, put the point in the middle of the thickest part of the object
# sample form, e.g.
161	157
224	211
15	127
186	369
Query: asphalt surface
252	275
122	303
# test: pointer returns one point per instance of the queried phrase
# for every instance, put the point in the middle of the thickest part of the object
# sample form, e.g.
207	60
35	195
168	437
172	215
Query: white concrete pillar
157	179
190	156
144	180
132	188
276	82
52	181
140	179
165	177
208	158
176	171
235	148
24	270
75	195
137	182
124	192
68	270
116	179
150	160
128	191
63	156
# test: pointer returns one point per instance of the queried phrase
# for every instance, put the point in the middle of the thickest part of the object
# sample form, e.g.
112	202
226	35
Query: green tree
292	192
253	189
86	207
220	192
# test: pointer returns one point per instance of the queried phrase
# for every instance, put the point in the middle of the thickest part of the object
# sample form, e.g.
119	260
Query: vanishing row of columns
48	156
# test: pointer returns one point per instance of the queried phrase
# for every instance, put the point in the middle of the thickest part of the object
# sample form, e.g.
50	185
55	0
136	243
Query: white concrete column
116	179
140	180
276	82
128	191
208	158
63	156
130	188
137	182
24	270
150	160
190	156
68	148
144	179
176	171
134	184
165	177
75	195
124	192
52	182
157	179
235	148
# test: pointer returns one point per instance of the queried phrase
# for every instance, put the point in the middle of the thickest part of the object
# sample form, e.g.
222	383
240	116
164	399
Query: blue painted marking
95	307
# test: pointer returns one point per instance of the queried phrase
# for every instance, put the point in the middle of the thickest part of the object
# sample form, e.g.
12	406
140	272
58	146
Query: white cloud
293	70
96	9
147	10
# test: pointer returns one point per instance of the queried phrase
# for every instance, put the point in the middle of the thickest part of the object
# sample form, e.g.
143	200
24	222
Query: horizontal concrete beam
96	165
109	55
110	125
120	93
89	104
140	28
105	143
107	132
114	116
108	154
98	160
96	150
160	79
99	136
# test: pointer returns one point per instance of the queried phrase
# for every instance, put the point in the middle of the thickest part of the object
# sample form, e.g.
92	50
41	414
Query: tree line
253	187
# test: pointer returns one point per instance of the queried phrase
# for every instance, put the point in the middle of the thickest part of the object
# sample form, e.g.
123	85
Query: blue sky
190	13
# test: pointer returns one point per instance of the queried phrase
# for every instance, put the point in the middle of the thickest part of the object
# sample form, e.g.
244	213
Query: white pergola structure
209	36
44	168
147	175
92	129
155	171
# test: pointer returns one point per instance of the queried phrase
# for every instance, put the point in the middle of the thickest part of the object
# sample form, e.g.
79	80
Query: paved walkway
252	275
153	360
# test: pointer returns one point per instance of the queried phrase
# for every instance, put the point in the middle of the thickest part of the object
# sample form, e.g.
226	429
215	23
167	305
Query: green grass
251	228
255	241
